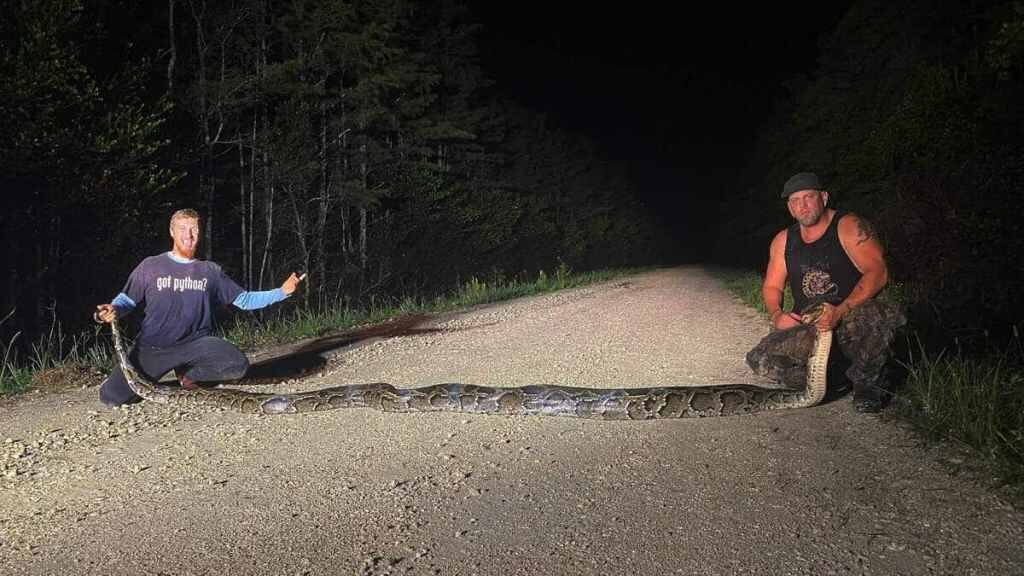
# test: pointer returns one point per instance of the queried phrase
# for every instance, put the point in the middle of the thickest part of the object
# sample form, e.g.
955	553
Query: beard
811	218
185	249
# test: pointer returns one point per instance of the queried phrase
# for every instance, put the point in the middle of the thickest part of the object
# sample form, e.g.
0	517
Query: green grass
475	292
52	350
13	376
976	402
249	332
747	286
972	401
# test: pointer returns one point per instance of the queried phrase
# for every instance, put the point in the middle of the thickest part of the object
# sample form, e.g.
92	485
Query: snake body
607	404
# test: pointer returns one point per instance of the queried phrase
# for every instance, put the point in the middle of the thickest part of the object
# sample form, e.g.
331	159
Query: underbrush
976	401
53	350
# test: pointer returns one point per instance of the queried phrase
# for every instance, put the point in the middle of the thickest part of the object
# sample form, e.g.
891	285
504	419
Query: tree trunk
268	215
210	195
252	203
343	178
363	173
243	202
325	197
268	202
268	185
173	49
362	239
206	162
300	233
346	240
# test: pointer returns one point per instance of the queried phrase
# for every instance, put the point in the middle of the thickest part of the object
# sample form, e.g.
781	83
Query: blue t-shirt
179	298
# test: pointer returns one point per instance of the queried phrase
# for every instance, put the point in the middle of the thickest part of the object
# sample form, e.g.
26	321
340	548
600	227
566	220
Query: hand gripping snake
608	404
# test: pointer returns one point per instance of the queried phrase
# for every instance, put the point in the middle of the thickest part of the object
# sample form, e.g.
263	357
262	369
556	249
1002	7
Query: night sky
678	96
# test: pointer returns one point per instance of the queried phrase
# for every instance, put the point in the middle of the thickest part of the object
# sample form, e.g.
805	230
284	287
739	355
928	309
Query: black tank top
819	271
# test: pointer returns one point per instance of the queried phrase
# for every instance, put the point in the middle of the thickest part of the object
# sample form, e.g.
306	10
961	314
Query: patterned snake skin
607	404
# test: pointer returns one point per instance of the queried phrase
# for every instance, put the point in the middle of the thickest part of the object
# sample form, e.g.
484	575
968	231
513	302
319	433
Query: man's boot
868	399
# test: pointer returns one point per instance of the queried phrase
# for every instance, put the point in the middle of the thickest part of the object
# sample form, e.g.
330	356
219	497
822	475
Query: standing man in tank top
833	257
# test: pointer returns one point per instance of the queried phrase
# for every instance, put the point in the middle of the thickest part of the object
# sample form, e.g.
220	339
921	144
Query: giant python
607	404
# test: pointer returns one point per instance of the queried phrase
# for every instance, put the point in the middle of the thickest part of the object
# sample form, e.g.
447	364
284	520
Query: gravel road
151	490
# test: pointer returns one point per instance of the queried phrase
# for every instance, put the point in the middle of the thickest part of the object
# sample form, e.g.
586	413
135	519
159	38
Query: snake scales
608	404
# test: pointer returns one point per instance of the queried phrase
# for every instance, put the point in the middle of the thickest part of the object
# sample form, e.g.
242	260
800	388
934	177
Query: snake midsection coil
542	400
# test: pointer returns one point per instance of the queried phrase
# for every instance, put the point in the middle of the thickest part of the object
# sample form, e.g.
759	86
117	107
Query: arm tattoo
865	232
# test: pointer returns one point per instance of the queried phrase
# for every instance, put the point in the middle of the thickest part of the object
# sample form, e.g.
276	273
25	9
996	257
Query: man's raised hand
292	283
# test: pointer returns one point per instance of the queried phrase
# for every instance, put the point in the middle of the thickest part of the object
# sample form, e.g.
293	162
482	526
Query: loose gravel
148	489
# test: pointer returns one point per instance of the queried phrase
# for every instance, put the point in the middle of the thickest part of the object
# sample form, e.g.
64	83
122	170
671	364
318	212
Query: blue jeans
206	359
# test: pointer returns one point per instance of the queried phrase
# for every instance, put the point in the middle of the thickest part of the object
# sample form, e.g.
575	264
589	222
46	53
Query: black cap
801	181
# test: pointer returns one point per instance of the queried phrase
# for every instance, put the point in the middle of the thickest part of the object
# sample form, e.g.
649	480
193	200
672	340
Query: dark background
676	94
399	149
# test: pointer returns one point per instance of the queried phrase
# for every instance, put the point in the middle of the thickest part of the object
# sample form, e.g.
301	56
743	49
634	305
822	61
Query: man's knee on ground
231	364
238	367
226	367
215	360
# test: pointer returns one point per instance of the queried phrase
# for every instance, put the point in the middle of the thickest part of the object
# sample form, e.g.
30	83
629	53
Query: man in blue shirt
180	295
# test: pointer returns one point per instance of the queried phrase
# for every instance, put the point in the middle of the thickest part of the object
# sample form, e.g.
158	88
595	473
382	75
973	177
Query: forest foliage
361	141
357	140
913	118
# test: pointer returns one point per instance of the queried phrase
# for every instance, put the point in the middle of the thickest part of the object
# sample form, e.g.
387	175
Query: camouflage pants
864	336
862	340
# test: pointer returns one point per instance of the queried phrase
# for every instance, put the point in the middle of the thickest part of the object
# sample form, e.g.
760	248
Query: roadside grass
249	331
252	331
747	286
52	350
13	376
974	401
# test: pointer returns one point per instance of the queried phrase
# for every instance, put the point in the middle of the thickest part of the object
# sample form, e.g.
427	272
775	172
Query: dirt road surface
152	490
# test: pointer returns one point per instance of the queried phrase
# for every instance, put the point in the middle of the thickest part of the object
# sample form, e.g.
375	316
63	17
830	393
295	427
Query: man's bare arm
775	283
861	244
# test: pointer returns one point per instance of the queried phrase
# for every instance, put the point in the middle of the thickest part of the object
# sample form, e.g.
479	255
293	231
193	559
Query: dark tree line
357	140
913	116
